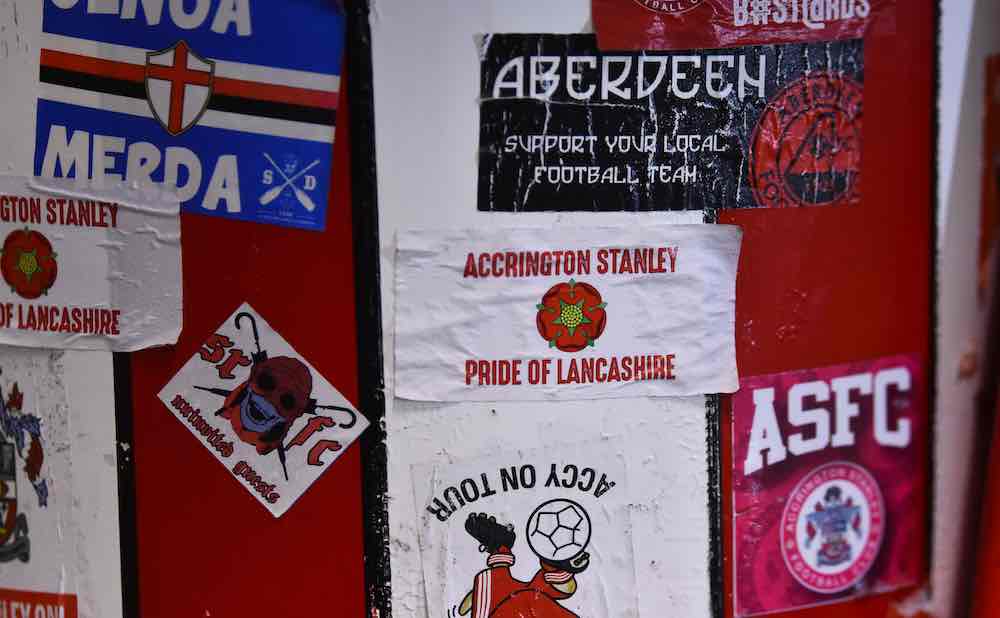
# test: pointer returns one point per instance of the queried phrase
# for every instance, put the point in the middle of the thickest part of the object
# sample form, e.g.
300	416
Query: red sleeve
545	579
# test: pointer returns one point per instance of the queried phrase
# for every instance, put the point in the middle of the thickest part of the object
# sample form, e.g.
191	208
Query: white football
558	530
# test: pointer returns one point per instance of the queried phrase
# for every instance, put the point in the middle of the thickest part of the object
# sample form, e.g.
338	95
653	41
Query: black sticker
567	127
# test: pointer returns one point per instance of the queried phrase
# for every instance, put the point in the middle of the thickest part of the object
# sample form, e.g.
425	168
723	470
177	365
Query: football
558	530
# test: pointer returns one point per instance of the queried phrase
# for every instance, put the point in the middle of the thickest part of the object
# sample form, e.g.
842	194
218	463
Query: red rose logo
28	263
571	316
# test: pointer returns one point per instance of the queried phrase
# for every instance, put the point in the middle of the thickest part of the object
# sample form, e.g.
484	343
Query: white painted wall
426	90
970	31
88	374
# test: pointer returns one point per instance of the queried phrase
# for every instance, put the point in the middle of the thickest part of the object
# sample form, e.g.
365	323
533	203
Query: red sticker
698	24
829	468
806	148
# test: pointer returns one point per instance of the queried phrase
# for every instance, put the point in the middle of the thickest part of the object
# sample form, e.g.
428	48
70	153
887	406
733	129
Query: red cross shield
178	86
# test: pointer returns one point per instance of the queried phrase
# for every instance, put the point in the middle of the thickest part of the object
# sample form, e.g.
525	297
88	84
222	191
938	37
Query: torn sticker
39	532
545	533
692	24
265	413
567	127
88	268
233	104
533	314
829	479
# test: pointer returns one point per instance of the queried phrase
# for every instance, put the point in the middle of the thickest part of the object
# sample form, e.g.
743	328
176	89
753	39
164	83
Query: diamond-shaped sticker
262	410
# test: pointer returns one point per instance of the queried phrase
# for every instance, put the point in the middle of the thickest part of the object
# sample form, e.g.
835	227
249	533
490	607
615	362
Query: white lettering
511	77
798	416
900	378
845	410
66	155
233	12
713	73
547	78
645	91
678	75
178	157
224	185
611	86
152	9
573	76
103	150
189	21
764	434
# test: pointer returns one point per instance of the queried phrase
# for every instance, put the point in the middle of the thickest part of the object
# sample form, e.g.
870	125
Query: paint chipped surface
45	555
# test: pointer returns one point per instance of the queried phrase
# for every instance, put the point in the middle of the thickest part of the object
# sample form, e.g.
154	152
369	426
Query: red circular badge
668	6
571	316
806	148
832	527
28	263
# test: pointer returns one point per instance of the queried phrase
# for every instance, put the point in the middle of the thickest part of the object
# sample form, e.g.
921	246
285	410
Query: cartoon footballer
558	532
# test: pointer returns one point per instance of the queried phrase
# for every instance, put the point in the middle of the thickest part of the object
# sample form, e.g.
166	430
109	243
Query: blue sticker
231	102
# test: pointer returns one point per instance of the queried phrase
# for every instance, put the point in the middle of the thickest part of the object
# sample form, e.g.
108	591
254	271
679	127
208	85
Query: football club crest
20	453
832	527
178	86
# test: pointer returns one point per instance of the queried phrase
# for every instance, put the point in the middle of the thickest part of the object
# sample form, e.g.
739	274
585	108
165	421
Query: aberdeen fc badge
178	86
832	527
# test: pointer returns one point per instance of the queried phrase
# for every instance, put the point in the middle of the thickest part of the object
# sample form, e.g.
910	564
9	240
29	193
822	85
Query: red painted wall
822	286
205	546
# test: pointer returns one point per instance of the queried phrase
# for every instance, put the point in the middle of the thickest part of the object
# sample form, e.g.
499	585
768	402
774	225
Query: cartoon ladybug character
278	392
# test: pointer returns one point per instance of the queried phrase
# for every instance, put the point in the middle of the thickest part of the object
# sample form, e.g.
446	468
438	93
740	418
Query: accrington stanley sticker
93	274
544	534
566	126
826	480
262	410
40	565
523	314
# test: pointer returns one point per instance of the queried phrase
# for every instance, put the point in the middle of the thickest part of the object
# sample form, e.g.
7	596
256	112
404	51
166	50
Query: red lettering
321	447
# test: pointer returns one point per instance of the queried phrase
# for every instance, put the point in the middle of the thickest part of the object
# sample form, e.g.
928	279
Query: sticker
82	270
524	314
265	413
545	533
828	468
232	103
566	127
39	533
690	24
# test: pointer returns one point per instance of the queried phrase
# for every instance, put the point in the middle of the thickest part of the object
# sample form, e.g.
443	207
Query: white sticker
265	413
529	314
544	533
39	532
87	269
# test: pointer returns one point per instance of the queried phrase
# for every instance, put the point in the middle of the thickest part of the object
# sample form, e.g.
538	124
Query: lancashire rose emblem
832	527
28	263
571	316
